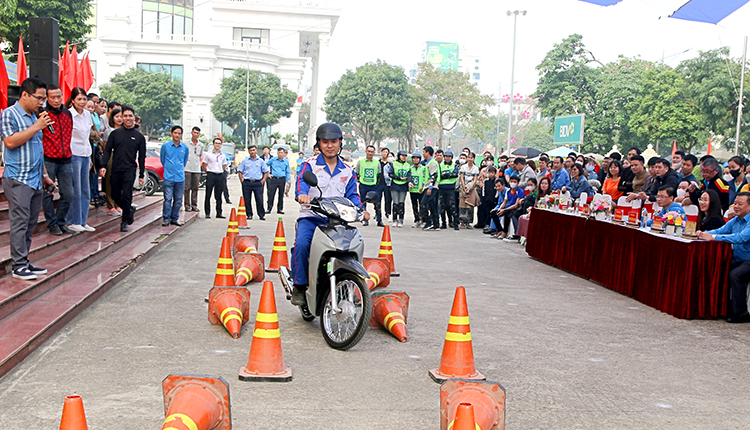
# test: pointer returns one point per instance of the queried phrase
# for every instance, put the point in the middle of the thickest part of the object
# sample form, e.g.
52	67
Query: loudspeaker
44	48
14	94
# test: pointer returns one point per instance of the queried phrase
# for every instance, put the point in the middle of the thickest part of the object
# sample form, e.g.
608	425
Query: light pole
739	104
247	95
515	14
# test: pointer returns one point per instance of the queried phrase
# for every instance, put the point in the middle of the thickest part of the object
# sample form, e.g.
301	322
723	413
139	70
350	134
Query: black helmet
328	130
401	152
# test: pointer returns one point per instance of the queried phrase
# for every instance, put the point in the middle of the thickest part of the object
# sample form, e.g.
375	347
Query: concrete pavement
571	354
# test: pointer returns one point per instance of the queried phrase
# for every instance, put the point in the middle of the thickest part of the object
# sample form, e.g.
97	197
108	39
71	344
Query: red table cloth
684	278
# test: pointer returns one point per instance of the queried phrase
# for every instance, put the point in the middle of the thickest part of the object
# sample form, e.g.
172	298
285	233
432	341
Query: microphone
44	112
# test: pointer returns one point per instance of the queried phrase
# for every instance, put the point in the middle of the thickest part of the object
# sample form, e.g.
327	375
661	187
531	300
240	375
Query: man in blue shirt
24	174
665	199
174	156
737	233
505	208
253	172
279	180
560	178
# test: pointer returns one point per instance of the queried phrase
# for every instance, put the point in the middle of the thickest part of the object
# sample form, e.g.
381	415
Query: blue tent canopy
710	11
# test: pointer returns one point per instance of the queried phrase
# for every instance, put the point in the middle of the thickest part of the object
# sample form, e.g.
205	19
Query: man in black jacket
665	175
123	145
712	180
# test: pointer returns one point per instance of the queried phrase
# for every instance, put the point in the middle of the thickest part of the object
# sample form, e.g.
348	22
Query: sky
395	32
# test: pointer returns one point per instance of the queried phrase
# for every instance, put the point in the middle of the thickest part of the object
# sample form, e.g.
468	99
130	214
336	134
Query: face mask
590	168
728	178
680	192
503	164
530	188
735	173
677	165
391	159
461	161
513	185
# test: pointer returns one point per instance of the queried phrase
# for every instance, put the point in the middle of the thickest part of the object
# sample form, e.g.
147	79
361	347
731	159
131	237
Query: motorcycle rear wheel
344	330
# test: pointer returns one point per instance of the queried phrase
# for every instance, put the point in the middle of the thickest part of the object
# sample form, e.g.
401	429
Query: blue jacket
174	158
737	233
580	185
560	179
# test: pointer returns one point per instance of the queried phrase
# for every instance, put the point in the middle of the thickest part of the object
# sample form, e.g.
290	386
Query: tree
538	135
156	97
374	98
452	98
664	110
268	100
72	14
418	119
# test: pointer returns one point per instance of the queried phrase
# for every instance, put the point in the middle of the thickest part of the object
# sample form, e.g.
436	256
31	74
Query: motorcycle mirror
371	197
310	178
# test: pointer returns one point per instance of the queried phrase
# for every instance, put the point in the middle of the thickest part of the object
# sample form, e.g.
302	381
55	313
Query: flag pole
739	105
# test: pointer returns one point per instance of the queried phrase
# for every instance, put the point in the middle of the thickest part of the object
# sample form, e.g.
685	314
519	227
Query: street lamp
515	14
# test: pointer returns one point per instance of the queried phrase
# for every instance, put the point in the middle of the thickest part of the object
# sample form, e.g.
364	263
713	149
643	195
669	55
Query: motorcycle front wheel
345	329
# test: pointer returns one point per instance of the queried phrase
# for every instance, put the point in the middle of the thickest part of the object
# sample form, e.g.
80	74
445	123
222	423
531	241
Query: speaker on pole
44	48
14	94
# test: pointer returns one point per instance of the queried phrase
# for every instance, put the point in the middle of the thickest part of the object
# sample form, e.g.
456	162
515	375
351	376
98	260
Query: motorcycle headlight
346	213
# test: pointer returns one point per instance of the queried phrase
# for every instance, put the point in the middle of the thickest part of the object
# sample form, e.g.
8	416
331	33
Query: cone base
248	376
268	269
395	274
244	227
441	377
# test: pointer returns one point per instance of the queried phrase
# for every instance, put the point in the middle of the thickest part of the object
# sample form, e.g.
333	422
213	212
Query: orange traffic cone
196	403
244	243
379	270
230	307
389	310
265	362
464	418
73	416
468	404
249	268
458	355
279	256
386	249
224	269
232	230
242	214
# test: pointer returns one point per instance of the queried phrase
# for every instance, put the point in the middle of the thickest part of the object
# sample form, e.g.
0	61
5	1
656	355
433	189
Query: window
175	71
167	17
228	73
476	67
476	60
252	35
475	76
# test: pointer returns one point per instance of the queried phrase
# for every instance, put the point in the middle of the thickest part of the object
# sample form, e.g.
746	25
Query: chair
691	213
622	212
583	203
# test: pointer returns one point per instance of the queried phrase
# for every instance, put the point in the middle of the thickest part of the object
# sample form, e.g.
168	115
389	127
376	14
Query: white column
319	86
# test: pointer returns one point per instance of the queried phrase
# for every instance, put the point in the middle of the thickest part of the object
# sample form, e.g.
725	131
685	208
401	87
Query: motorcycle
337	291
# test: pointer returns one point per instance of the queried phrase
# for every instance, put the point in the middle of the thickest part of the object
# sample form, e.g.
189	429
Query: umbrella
561	151
526	152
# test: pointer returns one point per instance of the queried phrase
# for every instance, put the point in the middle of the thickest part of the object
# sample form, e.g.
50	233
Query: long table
681	277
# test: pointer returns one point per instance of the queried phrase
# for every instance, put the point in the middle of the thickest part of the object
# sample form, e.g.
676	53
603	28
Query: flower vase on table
672	221
669	229
600	208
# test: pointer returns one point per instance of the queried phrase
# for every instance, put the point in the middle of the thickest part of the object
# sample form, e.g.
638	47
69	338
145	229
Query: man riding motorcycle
335	178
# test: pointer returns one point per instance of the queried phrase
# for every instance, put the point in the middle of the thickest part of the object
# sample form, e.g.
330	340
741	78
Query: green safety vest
400	170
368	172
417	178
447	168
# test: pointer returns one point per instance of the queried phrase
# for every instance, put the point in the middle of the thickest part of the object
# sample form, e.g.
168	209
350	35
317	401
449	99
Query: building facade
202	41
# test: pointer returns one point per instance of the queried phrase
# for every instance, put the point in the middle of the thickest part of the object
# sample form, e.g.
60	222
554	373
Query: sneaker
380	224
262	218
366	223
88	228
133	208
76	228
113	212
55	231
124	227
229	202
36	270
221	217
24	273
443	227
455	227
415	225
164	222
428	227
178	223
208	216
279	212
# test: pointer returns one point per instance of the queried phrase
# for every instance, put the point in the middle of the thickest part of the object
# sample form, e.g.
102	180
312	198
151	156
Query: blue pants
63	173
79	207
173	192
301	251
363	190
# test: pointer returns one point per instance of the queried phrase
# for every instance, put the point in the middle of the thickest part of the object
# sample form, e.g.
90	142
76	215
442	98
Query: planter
600	216
678	231
669	229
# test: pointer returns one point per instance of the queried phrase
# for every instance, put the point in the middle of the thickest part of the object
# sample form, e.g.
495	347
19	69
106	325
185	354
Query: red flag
64	74
22	73
710	149
4	82
87	73
674	148
79	74
72	64
60	67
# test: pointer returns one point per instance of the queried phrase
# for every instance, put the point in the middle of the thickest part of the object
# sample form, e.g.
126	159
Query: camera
49	188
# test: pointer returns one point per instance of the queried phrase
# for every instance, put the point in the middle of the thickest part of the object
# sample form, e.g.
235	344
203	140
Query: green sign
569	130
443	56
